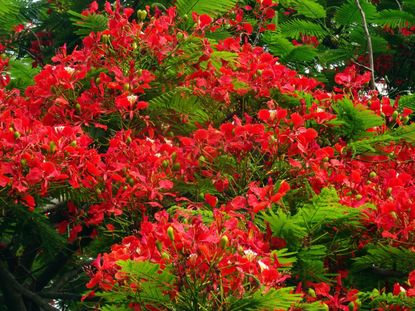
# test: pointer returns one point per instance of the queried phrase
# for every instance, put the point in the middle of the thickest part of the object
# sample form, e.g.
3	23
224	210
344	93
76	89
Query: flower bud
170	233
141	15
373	174
52	146
224	241
174	156
179	36
159	245
165	255
312	292
176	166
105	38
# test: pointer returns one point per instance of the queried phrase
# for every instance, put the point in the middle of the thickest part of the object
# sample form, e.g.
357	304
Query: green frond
153	285
379	44
217	57
395	18
335	56
377	301
212	8
386	258
348	13
284	226
272	299
10	15
277	44
206	214
353	121
218	35
309	8
87	24
409	6
407	101
296	27
325	208
301	53
285	258
282	298
21	73
405	133
310	264
176	103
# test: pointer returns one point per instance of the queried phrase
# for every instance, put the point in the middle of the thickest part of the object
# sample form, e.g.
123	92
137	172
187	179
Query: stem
399	5
369	44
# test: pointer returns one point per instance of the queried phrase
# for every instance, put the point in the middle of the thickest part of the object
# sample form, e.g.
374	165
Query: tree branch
8	278
65	296
369	44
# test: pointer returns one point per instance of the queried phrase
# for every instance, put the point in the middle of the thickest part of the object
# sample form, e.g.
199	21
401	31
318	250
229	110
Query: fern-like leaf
309	8
348	13
407	101
212	8
277	44
87	24
395	18
295	28
301	53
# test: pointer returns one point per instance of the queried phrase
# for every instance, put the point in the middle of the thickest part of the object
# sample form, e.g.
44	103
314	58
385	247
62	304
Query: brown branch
8	280
369	44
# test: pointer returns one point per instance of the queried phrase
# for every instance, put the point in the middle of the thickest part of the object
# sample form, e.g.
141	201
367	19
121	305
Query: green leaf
379	44
277	44
285	227
10	15
309	8
178	102
407	101
349	13
21	73
394	19
296	28
353	121
301	53
386	257
89	23
212	8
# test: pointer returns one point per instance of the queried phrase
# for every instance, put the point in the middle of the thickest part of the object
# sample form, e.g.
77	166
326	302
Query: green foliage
353	121
375	300
407	101
309	8
277	43
21	73
87	24
386	258
349	13
395	18
176	104
10	15
212	8
153	283
405	133
296	27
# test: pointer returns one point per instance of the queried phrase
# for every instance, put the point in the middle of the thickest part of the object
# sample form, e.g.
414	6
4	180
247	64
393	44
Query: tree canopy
206	155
